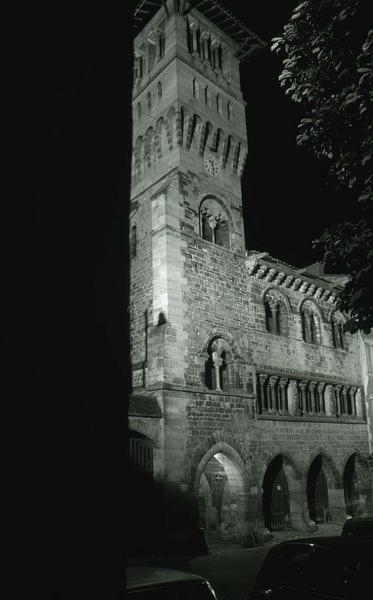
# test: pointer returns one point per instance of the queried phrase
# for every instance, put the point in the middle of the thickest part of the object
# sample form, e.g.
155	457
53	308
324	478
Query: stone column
217	364
272	394
329	400
337	396
283	399
263	399
302	396
344	399
312	400
352	392
321	387
359	403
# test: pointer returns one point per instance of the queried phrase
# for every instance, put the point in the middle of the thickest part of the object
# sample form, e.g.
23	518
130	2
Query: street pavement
231	573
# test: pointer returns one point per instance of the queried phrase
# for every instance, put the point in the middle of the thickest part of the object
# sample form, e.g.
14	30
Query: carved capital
304	287
262	270
271	274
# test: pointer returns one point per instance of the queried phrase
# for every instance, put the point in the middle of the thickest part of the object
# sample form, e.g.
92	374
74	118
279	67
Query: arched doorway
275	496
141	497
221	499
317	492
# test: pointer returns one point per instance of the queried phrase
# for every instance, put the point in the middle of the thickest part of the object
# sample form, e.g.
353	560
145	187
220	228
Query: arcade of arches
286	499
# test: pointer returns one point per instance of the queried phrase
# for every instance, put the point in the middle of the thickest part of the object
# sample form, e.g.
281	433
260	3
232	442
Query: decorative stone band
280	395
260	270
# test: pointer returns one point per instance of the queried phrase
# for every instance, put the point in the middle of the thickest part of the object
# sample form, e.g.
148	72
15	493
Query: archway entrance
317	492
221	500
141	497
275	498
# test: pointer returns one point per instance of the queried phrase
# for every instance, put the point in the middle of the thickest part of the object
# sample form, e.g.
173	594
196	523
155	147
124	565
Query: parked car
320	568
361	526
155	583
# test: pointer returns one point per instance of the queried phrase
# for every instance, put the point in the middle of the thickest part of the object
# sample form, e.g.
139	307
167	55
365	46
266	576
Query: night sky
288	195
65	278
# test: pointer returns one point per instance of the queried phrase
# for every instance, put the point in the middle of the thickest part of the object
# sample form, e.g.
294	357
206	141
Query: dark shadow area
66	282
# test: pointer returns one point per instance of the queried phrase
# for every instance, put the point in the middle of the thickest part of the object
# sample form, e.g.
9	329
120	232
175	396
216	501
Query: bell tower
189	152
186	226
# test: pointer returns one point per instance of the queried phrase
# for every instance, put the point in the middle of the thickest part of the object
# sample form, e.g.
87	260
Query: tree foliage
328	70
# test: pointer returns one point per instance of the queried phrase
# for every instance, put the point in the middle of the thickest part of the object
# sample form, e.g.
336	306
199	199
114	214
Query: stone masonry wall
140	287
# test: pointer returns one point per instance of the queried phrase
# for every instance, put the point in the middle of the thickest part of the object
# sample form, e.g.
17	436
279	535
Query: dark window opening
149	102
133	242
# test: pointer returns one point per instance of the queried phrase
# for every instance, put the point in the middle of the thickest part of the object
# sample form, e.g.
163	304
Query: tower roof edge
216	12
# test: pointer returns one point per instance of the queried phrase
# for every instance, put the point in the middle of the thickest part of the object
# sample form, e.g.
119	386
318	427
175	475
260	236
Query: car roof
359	520
335	541
332	542
142	577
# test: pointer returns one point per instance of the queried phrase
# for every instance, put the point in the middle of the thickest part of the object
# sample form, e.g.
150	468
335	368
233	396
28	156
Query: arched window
281	318
219	105
208	45
230	111
214	226
152	51
161	44
149	101
220	372
207	97
270	320
133	242
337	331
159	88
310	325
220	57
139	111
195	89
276	314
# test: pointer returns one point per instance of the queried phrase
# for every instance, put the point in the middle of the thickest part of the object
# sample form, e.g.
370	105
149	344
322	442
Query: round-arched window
214	225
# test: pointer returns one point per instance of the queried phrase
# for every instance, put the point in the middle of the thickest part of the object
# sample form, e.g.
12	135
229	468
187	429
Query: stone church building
248	408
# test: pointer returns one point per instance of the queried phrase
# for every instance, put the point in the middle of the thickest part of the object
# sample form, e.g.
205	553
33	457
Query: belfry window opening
214	228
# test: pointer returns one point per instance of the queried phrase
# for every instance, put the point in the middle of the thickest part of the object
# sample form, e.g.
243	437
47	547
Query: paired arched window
276	315
220	372
214	225
310	325
133	241
337	333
